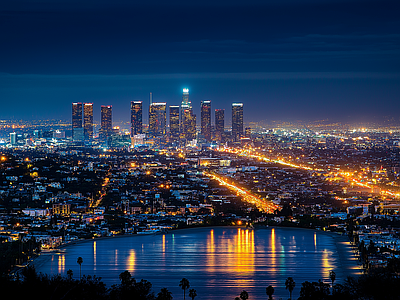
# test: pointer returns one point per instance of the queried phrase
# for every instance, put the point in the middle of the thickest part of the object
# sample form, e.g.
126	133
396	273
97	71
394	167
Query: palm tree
164	295
290	284
80	261
270	291
192	293
332	277
244	295
184	284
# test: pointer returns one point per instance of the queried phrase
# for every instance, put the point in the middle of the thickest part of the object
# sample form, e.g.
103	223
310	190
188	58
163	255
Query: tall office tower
106	122
206	119
192	129
77	129
136	118
237	121
189	124
157	119
88	121
185	98
188	118
13	138
219	124
151	98
174	122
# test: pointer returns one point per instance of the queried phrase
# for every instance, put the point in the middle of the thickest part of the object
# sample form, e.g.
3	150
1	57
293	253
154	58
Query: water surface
218	262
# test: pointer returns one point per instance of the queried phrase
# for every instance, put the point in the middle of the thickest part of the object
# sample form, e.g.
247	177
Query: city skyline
284	60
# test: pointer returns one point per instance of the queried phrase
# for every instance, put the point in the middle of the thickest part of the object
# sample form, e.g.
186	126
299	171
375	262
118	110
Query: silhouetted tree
184	284
80	261
290	284
244	295
314	291
270	291
70	273
164	294
126	278
131	289
332	277
192	293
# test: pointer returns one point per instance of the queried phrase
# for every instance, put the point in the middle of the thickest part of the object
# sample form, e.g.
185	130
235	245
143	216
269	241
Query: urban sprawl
62	182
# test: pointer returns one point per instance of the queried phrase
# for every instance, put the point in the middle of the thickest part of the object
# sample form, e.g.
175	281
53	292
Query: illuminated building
174	122
59	134
157	119
219	124
88	121
206	119
247	132
136	117
185	105
188	118
77	129
61	209
189	124
185	98
237	121
106	122
13	138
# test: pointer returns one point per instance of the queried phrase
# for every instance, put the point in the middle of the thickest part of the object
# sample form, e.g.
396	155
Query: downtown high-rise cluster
181	125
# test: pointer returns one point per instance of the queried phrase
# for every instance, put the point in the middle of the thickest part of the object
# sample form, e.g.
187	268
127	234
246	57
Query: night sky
284	59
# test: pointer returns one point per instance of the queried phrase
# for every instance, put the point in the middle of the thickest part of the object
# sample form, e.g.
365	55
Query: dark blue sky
284	59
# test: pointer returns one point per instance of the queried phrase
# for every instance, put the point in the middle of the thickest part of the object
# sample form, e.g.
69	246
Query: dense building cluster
181	127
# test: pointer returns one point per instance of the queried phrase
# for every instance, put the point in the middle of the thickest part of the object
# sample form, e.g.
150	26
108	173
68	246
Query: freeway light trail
261	204
344	175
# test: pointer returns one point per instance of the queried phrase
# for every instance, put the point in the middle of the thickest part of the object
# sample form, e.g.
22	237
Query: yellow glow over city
346	175
262	204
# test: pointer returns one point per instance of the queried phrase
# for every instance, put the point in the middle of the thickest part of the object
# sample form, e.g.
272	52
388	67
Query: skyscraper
219	124
13	138
136	117
206	119
77	129
157	119
185	98
188	118
237	121
88	121
189	124
174	122
106	122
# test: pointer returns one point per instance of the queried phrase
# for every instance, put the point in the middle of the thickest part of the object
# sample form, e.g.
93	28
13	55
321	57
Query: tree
70	273
164	294
184	284
332	277
244	295
126	278
192	293
314	291
80	261
290	284
270	291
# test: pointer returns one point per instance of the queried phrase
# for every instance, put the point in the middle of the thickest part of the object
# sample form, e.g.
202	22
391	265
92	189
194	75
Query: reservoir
219	262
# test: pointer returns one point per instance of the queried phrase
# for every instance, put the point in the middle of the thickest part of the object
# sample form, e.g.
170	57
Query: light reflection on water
219	262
